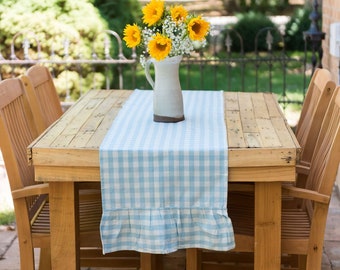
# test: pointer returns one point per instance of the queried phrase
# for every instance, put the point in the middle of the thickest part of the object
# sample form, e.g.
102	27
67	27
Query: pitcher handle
147	72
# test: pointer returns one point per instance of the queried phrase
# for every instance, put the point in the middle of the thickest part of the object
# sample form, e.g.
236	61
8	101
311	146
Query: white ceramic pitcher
167	97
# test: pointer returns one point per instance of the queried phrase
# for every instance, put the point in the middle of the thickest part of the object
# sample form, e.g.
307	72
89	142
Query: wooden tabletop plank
253	140
268	133
46	140
231	101
89	127
119	99
235	132
247	113
71	130
100	133
285	134
272	106
260	106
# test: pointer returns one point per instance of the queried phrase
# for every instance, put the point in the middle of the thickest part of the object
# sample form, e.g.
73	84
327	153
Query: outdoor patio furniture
302	227
31	198
269	160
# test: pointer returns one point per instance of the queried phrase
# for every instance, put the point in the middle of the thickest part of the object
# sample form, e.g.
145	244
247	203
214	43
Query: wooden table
261	149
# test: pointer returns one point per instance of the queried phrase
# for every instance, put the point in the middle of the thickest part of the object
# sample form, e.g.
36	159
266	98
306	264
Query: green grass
7	217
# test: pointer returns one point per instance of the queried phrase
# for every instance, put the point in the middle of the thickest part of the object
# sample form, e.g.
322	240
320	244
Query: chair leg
26	254
45	259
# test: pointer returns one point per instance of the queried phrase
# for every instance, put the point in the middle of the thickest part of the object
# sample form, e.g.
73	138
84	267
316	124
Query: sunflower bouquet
166	31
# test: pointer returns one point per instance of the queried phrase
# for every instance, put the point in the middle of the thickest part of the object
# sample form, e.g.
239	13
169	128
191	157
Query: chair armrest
30	191
305	194
302	169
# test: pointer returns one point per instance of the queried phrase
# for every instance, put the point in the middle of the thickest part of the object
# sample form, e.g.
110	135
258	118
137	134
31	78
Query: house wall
331	14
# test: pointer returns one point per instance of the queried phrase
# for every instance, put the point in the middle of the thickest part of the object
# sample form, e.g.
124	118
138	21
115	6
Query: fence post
315	36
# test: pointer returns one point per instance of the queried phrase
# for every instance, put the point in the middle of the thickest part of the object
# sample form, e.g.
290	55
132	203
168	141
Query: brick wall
330	14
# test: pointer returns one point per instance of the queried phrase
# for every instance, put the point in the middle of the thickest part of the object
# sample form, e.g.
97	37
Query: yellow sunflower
198	28
178	13
132	35
153	12
159	46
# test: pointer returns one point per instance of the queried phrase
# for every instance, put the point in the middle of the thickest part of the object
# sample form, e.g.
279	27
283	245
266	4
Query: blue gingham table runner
164	185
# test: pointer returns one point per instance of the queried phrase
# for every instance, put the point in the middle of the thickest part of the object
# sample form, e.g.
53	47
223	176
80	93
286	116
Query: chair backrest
326	158
42	95
321	180
17	131
318	96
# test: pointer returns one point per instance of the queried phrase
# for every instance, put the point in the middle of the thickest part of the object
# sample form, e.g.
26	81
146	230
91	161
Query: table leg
64	226
151	261
193	259
267	226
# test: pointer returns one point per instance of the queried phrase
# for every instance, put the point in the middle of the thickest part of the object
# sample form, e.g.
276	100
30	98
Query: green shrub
7	217
248	26
118	14
82	22
298	23
53	22
269	7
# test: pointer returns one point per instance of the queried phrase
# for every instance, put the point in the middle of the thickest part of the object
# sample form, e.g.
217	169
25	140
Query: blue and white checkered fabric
164	185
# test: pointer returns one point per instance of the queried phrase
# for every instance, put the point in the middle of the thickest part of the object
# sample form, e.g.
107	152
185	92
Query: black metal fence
222	65
266	69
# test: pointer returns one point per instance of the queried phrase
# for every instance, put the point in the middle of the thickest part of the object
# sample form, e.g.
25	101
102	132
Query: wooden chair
319	93
302	228
42	96
17	131
318	96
